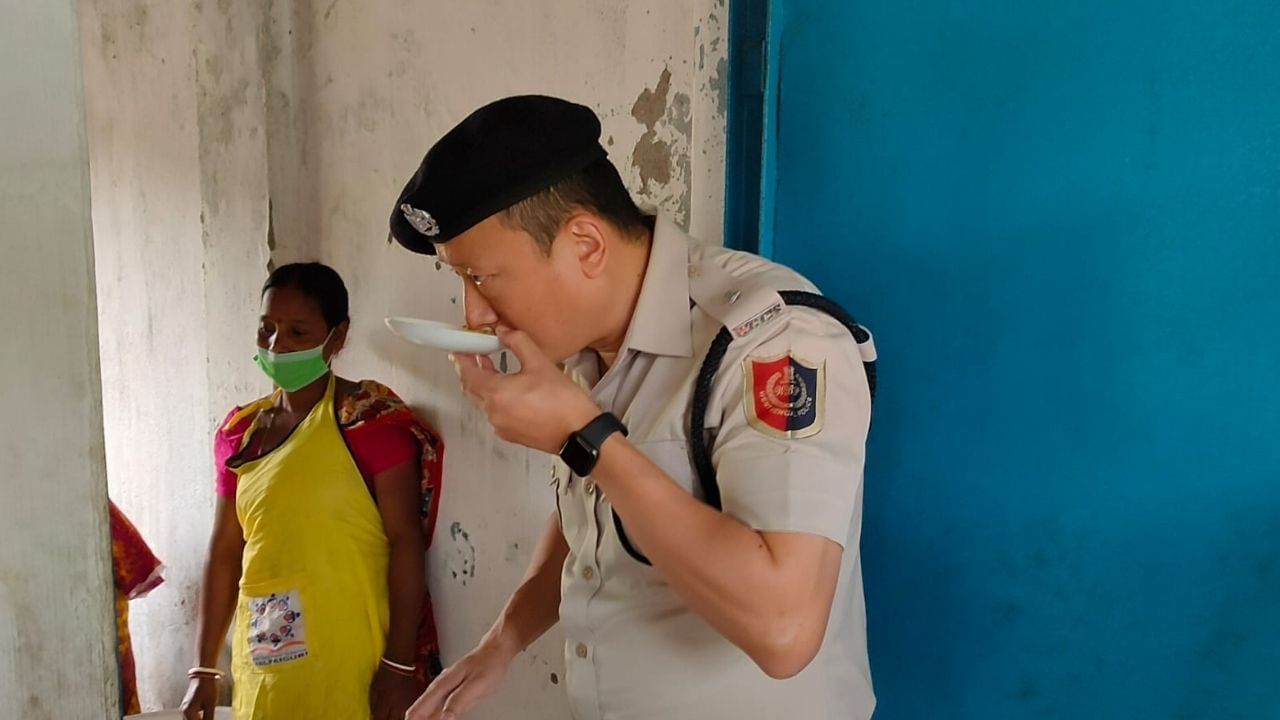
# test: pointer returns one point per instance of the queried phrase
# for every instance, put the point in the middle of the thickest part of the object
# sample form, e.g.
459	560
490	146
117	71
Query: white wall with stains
226	135
57	630
179	177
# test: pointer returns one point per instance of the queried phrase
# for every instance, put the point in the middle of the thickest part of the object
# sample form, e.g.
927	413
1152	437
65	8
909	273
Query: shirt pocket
570	504
672	457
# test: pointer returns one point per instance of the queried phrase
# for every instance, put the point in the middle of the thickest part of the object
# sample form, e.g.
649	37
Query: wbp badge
421	220
785	396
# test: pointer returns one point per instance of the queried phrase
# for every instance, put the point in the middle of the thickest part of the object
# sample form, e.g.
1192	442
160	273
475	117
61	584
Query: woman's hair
318	282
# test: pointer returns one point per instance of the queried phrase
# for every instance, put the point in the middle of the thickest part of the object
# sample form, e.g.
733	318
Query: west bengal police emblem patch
784	396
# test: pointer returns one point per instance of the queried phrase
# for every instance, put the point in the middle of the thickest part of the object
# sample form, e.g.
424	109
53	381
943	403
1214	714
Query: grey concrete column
57	649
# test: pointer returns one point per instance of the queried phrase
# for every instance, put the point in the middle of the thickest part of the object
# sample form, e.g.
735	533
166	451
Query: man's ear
587	233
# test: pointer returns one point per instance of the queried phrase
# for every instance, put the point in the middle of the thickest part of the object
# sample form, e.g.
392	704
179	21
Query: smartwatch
582	450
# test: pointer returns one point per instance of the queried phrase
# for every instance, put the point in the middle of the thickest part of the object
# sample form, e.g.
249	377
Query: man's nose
475	308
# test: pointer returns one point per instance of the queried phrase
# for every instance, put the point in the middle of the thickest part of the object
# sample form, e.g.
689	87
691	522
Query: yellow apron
313	611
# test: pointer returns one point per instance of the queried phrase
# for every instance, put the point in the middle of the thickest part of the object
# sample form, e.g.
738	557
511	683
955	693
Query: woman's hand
201	699
391	694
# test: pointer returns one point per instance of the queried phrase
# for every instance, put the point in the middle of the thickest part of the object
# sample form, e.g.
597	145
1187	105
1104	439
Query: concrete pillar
57	647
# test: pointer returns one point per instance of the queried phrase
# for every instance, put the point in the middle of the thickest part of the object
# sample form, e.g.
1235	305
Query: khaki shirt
633	649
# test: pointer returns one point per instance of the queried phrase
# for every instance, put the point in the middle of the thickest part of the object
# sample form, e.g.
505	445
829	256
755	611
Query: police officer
731	593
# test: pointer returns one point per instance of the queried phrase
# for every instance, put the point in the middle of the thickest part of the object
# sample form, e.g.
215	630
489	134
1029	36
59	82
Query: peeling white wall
179	177
284	131
57	627
146	183
386	79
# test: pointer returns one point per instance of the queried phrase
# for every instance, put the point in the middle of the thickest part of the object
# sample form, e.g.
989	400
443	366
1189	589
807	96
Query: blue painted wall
1062	220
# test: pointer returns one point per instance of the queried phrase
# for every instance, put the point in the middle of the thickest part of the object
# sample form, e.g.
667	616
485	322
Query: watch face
579	456
582	450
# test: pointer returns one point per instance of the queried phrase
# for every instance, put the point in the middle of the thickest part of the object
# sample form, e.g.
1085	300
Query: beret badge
421	220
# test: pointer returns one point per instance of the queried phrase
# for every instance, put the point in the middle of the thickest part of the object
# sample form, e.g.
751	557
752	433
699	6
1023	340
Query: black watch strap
582	450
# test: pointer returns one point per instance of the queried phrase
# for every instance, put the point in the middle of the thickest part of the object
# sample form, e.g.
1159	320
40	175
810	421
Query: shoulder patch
784	396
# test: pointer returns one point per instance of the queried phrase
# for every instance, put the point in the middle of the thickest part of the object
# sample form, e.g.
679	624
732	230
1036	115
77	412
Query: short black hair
597	189
317	281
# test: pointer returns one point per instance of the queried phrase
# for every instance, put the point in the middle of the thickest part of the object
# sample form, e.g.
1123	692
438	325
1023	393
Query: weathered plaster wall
226	135
179	177
384	80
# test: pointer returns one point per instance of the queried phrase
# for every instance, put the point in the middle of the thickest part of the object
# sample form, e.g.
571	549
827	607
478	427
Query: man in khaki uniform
670	608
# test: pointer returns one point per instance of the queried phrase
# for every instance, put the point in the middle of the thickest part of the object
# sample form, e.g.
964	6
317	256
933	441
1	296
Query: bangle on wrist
397	668
205	673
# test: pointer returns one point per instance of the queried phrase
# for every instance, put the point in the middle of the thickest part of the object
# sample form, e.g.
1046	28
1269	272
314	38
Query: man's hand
537	407
461	687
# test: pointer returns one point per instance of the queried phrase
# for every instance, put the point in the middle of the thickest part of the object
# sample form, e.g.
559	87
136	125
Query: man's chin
562	358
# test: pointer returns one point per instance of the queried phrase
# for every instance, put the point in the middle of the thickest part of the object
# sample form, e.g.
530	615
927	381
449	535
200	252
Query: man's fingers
431	702
525	349
474	372
456	705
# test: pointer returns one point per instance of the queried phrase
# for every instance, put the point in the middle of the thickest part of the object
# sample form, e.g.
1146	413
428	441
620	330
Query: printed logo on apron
277	629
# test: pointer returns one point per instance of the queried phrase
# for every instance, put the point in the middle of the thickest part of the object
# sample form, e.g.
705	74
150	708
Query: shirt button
581	651
590	488
588	572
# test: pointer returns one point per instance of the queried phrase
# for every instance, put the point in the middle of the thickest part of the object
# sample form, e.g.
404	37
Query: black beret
501	154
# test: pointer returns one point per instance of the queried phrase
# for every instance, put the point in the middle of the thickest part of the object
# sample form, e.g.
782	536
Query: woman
327	492
136	572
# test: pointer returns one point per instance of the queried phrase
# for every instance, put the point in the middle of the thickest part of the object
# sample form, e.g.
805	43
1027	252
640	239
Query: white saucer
443	336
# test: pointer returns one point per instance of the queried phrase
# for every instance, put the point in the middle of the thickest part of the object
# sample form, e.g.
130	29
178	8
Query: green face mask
294	370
